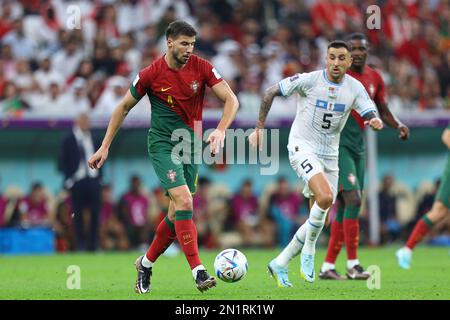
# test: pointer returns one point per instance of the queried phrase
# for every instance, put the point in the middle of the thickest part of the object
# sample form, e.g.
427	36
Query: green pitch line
109	276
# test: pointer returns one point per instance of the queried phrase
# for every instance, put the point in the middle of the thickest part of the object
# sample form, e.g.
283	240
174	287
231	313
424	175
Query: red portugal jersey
176	96
352	134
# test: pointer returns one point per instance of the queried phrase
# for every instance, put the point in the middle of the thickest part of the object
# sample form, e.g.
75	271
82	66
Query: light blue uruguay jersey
322	110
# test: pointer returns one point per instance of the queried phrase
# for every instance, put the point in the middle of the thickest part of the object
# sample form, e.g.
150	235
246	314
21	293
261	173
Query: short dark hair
180	28
357	36
338	44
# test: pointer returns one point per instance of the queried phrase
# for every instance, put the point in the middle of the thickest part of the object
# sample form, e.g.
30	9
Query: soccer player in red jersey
345	228
175	84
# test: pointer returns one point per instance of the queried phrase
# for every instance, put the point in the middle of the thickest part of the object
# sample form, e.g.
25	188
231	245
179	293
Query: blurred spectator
12	104
63	225
113	235
390	227
284	207
202	217
111	96
23	47
3	203
67	59
45	74
254	228
33	210
83	182
134	211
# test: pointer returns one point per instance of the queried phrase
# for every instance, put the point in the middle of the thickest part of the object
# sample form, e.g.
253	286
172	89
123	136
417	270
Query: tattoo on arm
266	103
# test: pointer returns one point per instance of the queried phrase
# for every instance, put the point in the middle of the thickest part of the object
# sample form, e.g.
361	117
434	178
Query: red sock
420	230
187	237
351	236
164	236
336	241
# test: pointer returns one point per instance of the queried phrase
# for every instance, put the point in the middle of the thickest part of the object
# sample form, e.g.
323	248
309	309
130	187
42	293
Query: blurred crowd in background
223	219
49	68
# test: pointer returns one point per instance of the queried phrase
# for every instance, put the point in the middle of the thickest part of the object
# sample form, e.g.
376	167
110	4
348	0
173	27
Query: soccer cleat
330	275
143	277
357	273
307	268
204	281
404	258
280	274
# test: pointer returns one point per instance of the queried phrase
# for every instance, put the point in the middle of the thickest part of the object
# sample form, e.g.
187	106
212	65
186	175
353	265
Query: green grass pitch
107	276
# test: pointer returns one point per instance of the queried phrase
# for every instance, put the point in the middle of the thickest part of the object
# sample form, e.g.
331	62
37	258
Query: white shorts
307	164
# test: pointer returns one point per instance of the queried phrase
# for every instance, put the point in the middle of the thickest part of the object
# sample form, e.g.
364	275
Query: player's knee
325	200
183	202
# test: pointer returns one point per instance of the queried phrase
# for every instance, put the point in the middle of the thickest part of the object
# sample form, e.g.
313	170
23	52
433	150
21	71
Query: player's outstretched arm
446	137
119	114
388	117
231	104
255	137
371	119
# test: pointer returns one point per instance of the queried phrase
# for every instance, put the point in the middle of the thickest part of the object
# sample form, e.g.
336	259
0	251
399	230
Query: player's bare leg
164	236
187	236
422	227
323	195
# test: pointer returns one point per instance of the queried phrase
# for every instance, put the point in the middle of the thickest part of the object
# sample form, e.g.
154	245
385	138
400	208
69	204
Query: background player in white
326	98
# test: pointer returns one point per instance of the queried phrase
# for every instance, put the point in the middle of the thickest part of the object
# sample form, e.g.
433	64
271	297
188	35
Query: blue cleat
280	274
307	267
404	258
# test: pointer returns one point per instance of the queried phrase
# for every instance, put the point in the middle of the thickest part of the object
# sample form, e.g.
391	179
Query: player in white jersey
326	98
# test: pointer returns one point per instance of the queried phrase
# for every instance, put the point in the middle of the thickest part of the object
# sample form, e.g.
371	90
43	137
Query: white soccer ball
230	265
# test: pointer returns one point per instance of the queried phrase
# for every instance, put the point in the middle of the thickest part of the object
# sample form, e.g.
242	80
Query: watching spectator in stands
254	228
6	18
23	47
284	207
111	96
76	98
67	59
53	103
33	209
12	105
134	212
45	74
25	80
390	227
250	97
113	235
83	182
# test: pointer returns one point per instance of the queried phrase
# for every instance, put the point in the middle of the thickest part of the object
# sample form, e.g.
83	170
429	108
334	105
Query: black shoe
204	281
143	277
357	273
330	275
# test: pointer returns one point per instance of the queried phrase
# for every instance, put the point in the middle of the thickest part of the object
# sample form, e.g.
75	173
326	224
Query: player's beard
180	58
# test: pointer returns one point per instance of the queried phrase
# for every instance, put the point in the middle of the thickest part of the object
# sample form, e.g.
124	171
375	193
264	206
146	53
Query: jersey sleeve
212	76
363	104
297	82
380	96
141	83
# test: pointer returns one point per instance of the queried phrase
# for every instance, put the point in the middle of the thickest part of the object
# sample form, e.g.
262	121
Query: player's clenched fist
256	138
375	123
97	160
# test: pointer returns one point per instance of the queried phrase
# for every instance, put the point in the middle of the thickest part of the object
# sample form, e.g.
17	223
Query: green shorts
351	170
443	193
173	170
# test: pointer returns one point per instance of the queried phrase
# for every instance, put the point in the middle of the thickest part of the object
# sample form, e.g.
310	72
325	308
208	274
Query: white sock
197	268
146	263
293	248
352	263
314	226
327	266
